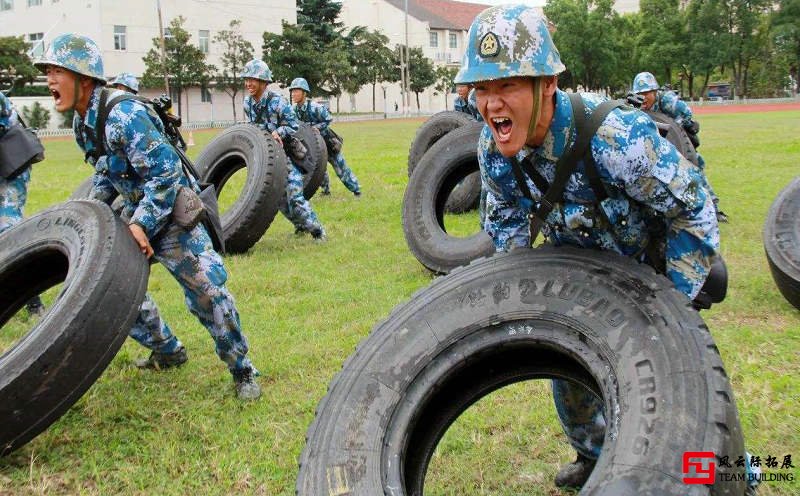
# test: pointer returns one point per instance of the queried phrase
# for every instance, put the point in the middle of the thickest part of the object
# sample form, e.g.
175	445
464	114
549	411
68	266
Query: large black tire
782	241
313	161
467	194
446	164
594	318
83	244
432	131
675	134
245	145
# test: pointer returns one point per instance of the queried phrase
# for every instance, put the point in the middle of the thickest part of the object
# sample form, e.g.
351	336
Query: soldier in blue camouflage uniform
669	103
320	119
143	167
14	192
272	113
513	64
125	81
466	102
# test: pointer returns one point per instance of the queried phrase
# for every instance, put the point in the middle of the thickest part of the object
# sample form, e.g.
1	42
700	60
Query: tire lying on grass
85	245
782	242
245	145
591	317
447	163
675	134
314	162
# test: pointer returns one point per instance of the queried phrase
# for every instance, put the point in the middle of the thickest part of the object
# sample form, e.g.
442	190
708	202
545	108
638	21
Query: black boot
161	361
246	386
35	307
576	473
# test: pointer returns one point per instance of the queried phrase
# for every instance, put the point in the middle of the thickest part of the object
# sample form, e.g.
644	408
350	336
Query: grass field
305	306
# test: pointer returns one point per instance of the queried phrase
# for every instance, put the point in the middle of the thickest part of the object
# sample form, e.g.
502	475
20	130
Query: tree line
752	44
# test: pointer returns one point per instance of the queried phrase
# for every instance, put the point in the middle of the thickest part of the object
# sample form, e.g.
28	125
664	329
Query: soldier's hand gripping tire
85	245
245	145
447	163
316	159
595	318
782	242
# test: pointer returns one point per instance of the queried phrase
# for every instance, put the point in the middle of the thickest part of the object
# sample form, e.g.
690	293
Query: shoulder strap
586	129
103	109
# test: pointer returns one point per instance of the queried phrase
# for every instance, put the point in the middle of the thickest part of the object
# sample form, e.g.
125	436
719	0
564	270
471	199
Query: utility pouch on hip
188	209
19	148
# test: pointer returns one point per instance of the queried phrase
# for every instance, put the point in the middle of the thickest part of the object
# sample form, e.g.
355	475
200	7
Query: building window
36	44
205	95
120	38
203	40
434	39
34	3
6	4
167	34
453	40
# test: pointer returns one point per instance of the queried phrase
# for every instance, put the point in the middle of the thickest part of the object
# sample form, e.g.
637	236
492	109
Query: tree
785	24
342	74
16	67
661	43
36	116
373	60
704	24
421	72
741	37
444	80
293	53
585	38
185	63
318	17
236	53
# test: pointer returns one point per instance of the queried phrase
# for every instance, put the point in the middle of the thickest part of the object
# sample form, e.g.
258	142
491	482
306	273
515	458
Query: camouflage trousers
190	257
294	205
13	195
344	173
581	415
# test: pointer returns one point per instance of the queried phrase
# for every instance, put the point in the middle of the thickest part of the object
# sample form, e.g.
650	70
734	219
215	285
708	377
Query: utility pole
406	82
163	49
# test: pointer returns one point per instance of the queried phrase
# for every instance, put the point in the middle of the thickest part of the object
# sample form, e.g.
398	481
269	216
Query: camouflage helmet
76	53
508	41
257	69
299	84
644	82
128	80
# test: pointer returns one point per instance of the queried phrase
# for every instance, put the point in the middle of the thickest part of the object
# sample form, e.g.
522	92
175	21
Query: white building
125	30
439	27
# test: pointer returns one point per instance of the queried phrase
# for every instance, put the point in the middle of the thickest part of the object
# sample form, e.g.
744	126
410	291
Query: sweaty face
298	95
61	84
462	90
254	87
649	99
507	106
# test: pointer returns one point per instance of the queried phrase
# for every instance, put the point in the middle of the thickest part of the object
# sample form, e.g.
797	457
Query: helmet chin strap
536	107
77	92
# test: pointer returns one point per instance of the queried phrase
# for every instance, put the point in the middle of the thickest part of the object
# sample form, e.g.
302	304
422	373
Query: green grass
304	307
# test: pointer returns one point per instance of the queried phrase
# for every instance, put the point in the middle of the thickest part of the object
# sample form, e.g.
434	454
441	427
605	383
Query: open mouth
502	127
56	96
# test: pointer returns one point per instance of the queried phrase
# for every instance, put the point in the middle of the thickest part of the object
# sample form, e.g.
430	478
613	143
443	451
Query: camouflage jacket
278	117
669	103
315	114
8	116
141	164
654	194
